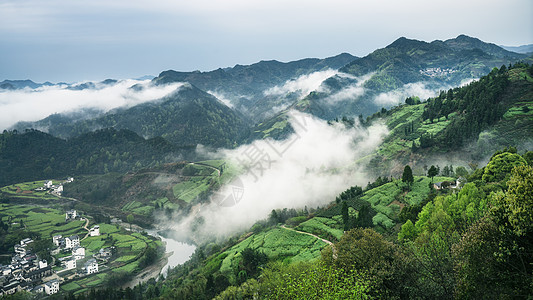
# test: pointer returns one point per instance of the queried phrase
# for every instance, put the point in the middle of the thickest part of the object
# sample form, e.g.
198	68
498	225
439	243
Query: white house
72	241
57	240
91	266
43	264
6	270
78	252
69	263
20	250
26	241
71	214
95	231
51	287
48	184
58	189
105	253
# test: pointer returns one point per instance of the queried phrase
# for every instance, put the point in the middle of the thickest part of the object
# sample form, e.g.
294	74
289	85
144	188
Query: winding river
180	252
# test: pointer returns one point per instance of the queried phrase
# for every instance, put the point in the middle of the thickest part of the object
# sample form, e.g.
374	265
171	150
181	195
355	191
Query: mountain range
224	107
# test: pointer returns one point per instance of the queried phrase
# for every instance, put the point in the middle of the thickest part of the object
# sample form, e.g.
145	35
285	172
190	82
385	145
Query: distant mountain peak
403	42
465	42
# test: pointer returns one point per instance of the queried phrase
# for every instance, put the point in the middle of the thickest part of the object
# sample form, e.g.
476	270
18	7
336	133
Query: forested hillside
469	122
473	240
34	155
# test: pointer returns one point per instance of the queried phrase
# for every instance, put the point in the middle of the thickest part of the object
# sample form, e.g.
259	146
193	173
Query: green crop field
325	228
519	111
277	243
71	286
213	163
45	221
382	198
129	268
27	190
189	190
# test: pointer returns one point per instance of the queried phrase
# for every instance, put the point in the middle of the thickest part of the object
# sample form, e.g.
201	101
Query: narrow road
85	227
334	250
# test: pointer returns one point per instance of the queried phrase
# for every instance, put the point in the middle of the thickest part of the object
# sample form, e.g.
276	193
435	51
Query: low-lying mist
399	95
309	168
304	84
36	104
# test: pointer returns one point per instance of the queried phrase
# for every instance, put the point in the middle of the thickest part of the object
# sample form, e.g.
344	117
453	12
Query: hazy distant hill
524	49
244	86
20	84
189	116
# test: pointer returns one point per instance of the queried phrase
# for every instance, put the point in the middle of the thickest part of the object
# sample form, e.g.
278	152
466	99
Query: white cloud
317	164
36	104
303	84
350	92
222	98
466	82
411	89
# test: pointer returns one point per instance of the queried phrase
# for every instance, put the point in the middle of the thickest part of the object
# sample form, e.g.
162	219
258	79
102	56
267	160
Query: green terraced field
322	227
277	243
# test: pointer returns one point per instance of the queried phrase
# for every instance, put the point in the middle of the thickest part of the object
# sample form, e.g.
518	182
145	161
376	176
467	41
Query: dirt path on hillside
334	250
85	227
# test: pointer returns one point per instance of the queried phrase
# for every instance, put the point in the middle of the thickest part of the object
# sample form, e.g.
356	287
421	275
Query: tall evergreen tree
407	175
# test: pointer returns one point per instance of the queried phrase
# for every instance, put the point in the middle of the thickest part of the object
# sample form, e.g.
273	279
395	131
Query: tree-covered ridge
33	155
493	112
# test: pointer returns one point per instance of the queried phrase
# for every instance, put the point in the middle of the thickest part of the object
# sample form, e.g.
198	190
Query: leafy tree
407	232
311	280
130	219
364	216
367	251
432	172
494	257
251	260
273	217
516	208
500	166
528	156
461	171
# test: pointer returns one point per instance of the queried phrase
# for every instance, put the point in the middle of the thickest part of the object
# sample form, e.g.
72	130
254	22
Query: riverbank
152	271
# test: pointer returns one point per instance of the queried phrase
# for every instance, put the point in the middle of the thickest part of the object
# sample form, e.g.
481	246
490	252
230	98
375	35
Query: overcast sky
59	40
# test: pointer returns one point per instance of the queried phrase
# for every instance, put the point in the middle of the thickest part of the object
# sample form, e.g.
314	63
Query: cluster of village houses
27	272
437	72
56	189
